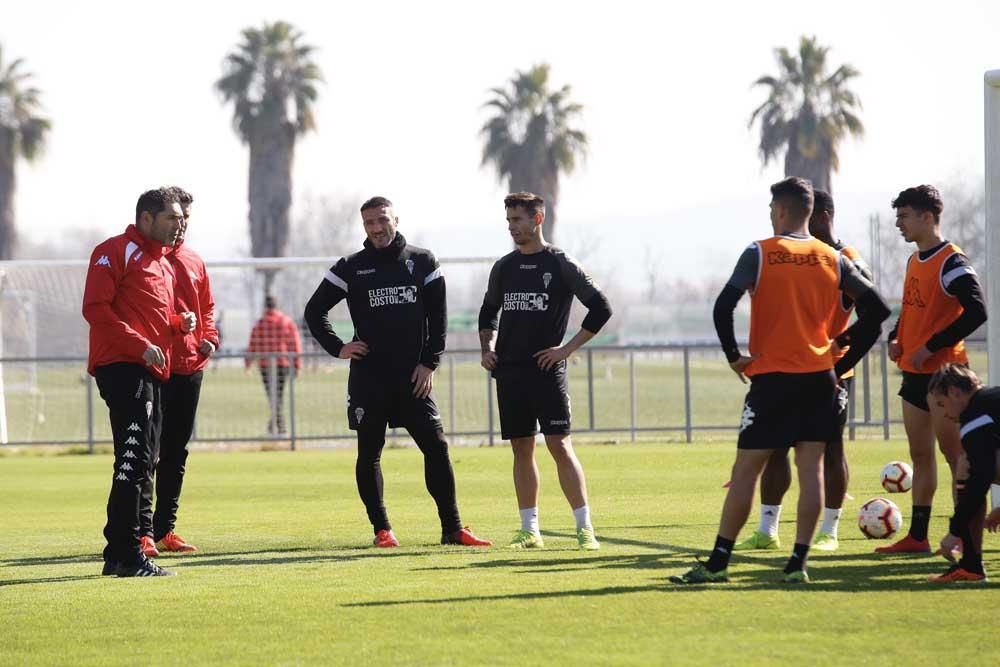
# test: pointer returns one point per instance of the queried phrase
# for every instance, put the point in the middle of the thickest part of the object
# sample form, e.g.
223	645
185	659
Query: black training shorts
528	396
782	409
376	400
913	390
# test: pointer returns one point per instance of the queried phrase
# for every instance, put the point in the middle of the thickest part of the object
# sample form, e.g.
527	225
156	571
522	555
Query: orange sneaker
174	542
956	574
385	538
147	547
465	538
907	545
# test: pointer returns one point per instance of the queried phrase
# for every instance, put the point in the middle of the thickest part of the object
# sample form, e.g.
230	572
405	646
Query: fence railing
618	393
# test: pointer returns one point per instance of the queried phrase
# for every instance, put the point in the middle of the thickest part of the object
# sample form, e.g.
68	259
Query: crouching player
962	398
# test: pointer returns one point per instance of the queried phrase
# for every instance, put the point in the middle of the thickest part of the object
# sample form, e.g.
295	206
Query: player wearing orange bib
796	282
942	304
777	476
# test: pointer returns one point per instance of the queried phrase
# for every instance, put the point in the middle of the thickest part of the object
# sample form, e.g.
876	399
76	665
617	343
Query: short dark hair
154	202
796	193
529	201
925	198
954	375
270	302
822	201
184	197
376	202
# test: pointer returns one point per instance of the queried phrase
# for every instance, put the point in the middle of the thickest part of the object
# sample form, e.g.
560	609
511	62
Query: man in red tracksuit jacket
189	354
128	301
272	338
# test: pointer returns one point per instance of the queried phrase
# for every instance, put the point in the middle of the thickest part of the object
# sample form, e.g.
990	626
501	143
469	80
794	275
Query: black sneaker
110	567
144	568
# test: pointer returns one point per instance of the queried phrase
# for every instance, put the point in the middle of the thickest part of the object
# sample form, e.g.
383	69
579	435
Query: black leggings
438	475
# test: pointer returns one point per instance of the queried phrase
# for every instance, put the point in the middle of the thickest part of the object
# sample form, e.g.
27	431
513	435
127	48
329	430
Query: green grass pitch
286	575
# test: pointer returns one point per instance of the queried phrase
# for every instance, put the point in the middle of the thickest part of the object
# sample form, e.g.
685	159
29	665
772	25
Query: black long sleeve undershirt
872	310
968	292
436	307
317	316
722	316
982	469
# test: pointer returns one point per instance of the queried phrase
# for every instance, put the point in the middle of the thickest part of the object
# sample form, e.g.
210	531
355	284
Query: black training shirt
533	294
397	300
980	439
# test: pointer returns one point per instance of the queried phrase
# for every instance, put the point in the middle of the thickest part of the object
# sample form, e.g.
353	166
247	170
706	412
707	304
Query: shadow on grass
830	576
46	580
95	557
547	565
541	595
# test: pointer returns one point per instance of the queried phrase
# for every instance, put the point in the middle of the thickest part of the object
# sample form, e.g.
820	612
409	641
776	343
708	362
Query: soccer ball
879	518
897	477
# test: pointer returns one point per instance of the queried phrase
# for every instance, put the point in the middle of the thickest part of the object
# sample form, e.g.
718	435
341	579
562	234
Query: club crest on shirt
546	278
409	266
359	414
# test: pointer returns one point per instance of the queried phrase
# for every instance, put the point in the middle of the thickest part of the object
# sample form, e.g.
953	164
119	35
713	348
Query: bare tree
326	227
963	223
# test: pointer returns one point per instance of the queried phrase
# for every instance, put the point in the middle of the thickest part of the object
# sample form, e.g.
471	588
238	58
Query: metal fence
672	392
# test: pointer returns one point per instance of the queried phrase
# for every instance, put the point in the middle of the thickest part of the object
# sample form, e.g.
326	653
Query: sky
666	88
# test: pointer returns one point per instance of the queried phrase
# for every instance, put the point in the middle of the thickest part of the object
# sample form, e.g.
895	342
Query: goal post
992	122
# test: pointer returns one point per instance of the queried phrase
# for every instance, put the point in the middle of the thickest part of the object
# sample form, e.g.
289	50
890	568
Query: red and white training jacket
128	300
192	293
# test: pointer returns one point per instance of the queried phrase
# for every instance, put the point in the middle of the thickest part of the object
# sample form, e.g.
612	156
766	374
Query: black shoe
144	568
110	567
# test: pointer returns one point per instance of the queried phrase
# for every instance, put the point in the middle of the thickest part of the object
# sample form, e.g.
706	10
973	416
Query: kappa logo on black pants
746	421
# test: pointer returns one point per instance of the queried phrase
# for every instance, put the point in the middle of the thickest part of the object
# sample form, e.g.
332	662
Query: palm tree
807	113
22	135
529	141
271	81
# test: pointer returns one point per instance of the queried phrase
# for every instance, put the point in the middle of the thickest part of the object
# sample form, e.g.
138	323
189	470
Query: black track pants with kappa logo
132	395
179	403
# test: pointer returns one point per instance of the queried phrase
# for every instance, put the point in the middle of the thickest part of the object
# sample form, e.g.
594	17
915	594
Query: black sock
800	554
921	519
721	553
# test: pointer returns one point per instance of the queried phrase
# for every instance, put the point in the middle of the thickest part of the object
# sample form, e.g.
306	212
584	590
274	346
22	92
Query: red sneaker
907	545
147	547
956	574
465	538
385	538
174	542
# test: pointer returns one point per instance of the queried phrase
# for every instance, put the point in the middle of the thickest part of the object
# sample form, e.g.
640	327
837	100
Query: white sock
995	496
769	515
582	515
831	520
529	520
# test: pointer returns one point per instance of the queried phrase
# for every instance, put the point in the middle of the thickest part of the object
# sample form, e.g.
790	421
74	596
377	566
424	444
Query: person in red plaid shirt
274	336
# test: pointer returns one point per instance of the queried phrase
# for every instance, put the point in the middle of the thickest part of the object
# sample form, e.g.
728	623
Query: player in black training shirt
396	295
960	396
532	289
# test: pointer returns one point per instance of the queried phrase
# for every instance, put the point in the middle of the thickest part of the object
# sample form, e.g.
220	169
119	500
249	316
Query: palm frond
268	73
808	110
